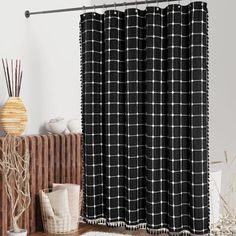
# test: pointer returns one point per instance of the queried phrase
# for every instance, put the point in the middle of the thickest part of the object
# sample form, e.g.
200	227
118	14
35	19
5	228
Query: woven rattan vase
13	116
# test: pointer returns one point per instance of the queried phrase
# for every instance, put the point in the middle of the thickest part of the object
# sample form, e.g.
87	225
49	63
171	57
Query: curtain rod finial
27	14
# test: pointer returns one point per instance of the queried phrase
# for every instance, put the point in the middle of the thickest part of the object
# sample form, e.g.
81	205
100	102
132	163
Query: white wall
49	48
222	88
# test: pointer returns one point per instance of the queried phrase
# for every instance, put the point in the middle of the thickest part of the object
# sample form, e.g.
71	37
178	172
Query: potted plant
15	172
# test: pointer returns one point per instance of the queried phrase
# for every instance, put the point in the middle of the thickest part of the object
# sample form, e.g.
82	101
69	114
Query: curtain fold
145	118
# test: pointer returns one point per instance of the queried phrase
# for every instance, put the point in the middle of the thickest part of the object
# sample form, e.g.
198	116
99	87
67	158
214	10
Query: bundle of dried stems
13	77
15	171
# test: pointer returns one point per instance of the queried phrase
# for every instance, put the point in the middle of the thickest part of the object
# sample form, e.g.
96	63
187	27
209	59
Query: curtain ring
168	3
115	8
104	7
125	5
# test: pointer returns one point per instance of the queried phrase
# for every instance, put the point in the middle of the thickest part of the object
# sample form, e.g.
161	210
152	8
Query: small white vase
56	126
23	232
73	125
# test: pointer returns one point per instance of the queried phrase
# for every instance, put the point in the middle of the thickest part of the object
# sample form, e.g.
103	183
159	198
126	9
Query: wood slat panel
57	159
39	179
73	159
63	159
53	158
21	220
78	154
68	158
45	162
27	213
33	183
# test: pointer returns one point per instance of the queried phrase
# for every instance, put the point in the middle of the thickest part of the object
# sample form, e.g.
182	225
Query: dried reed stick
9	78
18	78
12	76
5	74
226	156
20	82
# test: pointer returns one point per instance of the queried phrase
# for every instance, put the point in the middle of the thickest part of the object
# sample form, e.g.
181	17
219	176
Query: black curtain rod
28	13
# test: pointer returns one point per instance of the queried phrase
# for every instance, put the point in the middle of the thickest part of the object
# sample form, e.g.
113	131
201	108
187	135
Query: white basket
56	225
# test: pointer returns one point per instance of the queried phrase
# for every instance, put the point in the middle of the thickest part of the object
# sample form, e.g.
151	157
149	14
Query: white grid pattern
145	117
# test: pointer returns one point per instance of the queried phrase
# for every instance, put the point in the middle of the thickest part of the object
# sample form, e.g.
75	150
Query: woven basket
57	225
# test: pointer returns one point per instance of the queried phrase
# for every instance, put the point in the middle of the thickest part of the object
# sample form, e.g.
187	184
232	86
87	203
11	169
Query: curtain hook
190	2
146	3
125	5
136	4
157	3
168	3
115	8
84	9
94	8
104	7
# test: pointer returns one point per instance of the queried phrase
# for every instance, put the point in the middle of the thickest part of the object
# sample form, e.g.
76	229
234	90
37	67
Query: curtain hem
141	226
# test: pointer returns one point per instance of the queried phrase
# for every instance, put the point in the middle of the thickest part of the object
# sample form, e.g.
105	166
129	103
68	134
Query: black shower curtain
145	118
